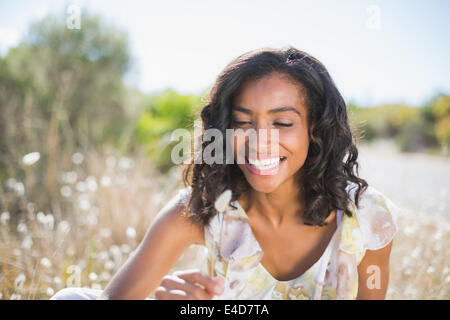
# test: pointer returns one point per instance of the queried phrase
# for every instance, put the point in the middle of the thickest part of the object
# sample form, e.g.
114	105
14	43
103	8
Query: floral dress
235	254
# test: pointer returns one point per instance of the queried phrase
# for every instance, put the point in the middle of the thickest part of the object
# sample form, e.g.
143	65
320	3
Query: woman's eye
239	123
283	124
280	124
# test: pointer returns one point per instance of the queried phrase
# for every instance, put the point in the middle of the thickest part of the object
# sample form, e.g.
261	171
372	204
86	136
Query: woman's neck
278	207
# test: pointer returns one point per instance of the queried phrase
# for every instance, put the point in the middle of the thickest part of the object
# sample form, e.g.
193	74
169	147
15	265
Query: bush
441	112
166	112
413	138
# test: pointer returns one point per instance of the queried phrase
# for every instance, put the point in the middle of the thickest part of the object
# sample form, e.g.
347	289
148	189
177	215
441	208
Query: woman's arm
168	237
373	274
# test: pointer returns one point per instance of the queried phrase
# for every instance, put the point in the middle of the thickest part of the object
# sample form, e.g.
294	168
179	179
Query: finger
213	286
162	293
177	283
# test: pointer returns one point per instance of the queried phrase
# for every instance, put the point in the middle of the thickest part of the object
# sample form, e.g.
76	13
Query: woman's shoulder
376	215
181	199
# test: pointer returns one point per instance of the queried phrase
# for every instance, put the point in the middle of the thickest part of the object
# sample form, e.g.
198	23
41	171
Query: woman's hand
188	285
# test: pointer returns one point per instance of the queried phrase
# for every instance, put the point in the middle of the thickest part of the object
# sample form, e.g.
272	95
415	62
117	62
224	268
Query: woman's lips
271	167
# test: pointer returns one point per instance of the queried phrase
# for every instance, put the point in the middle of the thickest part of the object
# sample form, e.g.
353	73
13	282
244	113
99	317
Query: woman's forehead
273	91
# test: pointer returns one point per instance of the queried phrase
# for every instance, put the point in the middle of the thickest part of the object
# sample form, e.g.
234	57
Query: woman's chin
267	186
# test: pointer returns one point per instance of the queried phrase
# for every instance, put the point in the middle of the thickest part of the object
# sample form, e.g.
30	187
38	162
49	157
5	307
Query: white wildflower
111	162
91	183
69	177
103	255
131	233
4	217
57	281
31	158
109	265
45	262
27	242
125	163
41	217
50	221
81	186
91	219
105	233
19	188
63	227
114	250
408	271
19	281
22	227
84	204
415	253
66	192
125	248
223	201
11	182
77	158
93	276
50	291
105	181
47	220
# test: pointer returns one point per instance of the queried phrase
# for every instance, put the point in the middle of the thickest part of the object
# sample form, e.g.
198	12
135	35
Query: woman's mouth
264	167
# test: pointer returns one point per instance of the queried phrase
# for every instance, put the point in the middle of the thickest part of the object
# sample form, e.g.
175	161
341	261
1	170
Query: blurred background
91	91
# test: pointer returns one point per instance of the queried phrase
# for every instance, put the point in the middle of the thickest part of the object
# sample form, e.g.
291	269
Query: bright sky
376	51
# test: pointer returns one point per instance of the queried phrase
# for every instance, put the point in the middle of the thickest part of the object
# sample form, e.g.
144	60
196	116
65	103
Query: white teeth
265	164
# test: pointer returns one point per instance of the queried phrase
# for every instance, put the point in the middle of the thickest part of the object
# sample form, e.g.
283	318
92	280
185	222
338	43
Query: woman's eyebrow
276	110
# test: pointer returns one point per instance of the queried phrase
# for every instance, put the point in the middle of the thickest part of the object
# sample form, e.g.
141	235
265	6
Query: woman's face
253	108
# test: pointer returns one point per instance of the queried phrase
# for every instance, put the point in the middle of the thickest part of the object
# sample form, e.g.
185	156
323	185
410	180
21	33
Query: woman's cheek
297	146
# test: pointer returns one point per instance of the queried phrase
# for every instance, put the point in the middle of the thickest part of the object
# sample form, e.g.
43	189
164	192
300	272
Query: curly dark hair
326	171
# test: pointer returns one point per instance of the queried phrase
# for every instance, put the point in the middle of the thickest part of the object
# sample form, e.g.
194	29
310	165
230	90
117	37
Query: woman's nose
267	141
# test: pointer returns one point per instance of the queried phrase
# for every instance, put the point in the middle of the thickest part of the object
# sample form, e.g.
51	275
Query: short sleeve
377	217
184	195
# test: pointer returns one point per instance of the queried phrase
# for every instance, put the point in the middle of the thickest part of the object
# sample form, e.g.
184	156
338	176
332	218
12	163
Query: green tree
62	91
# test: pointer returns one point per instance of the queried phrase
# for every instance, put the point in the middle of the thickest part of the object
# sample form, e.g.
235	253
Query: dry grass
419	258
106	213
107	210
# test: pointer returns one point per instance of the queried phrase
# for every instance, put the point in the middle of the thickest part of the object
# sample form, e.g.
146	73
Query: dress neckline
317	263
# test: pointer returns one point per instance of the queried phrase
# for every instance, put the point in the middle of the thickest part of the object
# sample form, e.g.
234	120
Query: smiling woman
292	92
301	222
